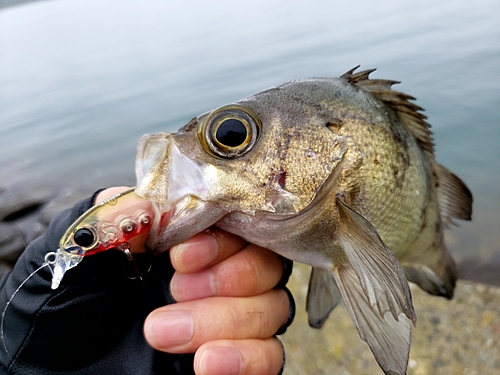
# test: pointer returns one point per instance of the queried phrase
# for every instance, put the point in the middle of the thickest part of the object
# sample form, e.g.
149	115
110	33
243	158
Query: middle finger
205	249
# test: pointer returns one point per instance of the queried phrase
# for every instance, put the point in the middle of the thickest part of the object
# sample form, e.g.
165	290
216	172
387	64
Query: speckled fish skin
340	174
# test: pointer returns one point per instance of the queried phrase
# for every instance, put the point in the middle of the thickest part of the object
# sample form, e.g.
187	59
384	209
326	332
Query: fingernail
221	360
169	329
187	287
198	253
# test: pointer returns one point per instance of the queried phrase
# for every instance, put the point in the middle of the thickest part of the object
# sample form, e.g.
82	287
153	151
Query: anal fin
438	278
322	296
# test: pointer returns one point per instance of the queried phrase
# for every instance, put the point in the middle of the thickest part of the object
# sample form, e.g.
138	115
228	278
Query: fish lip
164	174
149	153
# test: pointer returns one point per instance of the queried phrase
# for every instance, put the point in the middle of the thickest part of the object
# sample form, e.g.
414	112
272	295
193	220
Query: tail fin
437	274
455	198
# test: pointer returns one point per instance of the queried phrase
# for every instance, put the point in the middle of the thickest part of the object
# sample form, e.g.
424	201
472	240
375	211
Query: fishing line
50	258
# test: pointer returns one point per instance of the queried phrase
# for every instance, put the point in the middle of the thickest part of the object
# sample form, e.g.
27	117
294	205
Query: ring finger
184	327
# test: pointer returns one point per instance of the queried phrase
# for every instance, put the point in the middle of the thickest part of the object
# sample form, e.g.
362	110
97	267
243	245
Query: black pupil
231	133
84	237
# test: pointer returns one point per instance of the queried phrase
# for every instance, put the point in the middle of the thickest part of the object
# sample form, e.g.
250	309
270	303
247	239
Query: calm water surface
80	82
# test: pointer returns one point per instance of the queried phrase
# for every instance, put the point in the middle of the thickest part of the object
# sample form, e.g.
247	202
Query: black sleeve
91	324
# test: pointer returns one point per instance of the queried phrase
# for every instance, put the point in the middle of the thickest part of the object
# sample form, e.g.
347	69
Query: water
80	82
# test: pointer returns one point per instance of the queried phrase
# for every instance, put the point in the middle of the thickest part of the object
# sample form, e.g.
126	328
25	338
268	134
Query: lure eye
84	237
230	131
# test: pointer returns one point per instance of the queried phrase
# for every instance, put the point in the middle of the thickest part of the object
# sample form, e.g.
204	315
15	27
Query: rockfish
336	173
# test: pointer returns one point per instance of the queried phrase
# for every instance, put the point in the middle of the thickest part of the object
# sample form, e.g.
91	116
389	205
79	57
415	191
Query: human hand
227	310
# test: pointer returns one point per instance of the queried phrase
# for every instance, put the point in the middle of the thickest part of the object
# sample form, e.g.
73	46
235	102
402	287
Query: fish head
249	156
263	154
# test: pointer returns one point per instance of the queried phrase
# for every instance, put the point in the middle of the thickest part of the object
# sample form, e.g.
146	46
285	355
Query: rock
65	199
12	242
461	336
20	208
26	213
475	269
18	202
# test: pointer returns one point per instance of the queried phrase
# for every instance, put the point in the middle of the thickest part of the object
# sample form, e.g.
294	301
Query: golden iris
230	131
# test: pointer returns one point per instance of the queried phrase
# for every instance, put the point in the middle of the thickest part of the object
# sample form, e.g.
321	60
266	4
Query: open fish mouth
164	174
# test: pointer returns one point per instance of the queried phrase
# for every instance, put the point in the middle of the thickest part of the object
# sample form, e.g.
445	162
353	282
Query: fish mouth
178	188
164	174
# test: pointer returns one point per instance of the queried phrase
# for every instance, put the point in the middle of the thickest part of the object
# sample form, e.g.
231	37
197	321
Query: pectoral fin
388	338
373	283
322	296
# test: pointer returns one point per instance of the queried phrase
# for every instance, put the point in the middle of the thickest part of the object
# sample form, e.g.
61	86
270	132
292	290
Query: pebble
461	336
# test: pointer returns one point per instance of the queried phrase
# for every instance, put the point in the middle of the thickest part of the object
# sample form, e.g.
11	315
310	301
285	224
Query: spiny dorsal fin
407	111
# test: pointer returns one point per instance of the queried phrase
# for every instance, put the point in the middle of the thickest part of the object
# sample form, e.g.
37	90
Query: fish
336	173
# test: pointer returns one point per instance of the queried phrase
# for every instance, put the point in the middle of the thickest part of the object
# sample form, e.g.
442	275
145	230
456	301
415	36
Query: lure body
101	228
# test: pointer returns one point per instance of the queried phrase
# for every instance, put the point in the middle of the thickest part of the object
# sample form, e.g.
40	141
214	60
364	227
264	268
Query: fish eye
84	237
230	131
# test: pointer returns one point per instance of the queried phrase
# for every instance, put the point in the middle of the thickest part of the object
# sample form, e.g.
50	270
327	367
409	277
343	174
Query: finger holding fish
205	249
185	326
248	272
239	357
240	269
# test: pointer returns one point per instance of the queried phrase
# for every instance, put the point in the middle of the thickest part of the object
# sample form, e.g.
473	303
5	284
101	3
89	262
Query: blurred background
81	81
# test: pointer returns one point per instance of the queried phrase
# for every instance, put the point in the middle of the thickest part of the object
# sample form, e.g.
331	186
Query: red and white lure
101	228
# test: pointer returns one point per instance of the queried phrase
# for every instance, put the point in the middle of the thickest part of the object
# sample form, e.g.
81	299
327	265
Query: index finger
205	249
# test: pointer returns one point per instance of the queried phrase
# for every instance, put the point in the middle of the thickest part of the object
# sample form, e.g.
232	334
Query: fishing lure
100	228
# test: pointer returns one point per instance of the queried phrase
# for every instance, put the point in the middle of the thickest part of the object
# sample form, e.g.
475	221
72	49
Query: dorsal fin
407	111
